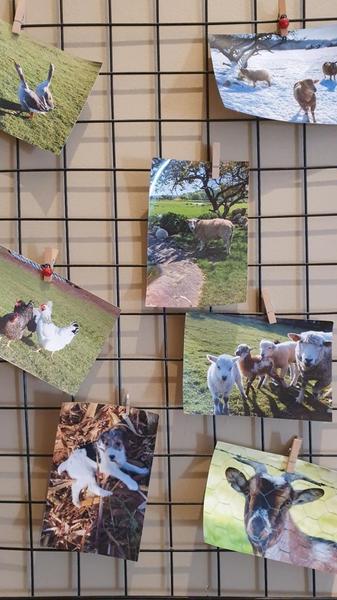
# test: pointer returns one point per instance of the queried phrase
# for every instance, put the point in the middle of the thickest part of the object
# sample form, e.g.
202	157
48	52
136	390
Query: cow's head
223	365
268	499
311	347
309	84
192	223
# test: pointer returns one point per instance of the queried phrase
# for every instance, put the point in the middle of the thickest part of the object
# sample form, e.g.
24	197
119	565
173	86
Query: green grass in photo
224	507
71	84
67	368
217	334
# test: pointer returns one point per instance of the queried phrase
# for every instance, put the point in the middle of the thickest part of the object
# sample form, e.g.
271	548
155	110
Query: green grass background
224	507
71	84
217	334
225	276
68	367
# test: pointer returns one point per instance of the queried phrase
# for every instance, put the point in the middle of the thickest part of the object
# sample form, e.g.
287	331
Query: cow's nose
224	377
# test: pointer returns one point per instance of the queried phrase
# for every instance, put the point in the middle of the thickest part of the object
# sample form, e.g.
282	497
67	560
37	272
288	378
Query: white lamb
222	375
283	356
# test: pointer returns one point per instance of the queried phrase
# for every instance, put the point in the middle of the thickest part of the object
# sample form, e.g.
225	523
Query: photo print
197	234
53	330
99	480
42	89
252	505
243	366
291	79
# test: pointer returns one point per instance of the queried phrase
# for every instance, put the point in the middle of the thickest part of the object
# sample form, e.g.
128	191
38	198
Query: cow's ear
310	495
237	480
294	337
211	358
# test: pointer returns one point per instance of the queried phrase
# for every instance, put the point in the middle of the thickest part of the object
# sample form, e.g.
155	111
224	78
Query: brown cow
304	92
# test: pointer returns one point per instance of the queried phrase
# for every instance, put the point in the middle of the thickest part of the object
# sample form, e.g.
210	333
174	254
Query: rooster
50	336
13	324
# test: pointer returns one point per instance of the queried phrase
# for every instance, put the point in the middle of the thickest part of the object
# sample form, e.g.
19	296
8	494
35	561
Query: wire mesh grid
219	585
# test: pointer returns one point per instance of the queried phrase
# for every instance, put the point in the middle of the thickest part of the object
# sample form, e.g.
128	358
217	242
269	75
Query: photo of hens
53	330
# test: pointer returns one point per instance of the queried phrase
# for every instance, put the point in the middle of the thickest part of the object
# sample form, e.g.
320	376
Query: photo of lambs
243	366
99	479
197	234
253	505
288	79
53	330
42	90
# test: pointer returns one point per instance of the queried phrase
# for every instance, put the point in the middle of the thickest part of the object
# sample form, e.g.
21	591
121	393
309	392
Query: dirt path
179	281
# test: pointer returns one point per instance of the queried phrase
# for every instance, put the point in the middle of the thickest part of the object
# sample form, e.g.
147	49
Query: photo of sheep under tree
98	486
288	79
42	89
243	366
54	330
197	234
254	506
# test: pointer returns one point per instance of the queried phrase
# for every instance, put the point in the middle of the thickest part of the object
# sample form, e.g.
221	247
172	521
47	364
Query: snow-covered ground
286	67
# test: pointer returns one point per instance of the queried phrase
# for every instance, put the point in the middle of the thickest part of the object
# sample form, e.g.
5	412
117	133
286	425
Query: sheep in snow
329	69
255	75
206	230
223	373
304	92
313	356
283	356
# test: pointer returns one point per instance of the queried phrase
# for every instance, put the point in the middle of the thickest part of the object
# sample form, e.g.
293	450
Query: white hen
50	336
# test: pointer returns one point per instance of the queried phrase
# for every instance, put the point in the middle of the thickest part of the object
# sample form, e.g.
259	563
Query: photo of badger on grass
243	366
254	506
287	79
99	479
54	330
197	234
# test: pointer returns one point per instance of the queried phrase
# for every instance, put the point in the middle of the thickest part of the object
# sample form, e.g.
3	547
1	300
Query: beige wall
92	195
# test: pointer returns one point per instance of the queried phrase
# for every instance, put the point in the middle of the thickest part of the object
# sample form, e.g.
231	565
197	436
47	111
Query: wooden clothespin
293	454
19	16
283	21
215	160
48	261
127	403
268	306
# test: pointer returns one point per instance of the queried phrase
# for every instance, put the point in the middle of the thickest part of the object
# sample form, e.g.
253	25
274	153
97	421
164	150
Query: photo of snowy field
292	79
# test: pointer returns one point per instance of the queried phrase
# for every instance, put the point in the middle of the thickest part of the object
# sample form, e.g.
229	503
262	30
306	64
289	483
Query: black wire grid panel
173	553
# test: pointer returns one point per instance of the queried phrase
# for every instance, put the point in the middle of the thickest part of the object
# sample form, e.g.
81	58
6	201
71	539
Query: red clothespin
283	21
293	454
268	306
19	16
215	160
47	266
